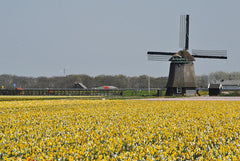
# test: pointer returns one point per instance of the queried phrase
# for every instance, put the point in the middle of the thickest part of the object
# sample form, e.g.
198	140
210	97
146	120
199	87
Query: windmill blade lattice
214	54
184	32
159	56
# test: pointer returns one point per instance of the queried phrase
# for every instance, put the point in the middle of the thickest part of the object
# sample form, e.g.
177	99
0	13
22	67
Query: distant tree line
68	81
120	81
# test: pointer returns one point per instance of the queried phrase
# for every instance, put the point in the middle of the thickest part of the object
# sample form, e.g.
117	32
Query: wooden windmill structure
182	79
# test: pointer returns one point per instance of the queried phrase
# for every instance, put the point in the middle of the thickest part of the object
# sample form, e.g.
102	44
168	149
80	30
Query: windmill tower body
181	79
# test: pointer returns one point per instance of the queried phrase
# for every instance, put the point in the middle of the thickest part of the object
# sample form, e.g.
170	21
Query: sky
110	37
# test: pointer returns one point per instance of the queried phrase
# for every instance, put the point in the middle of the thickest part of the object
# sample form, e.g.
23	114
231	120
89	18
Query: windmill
182	79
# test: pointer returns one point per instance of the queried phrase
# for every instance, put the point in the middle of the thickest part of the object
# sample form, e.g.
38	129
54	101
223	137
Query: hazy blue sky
41	38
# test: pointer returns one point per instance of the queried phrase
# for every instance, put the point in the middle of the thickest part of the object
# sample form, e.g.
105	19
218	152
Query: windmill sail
184	32
212	54
159	56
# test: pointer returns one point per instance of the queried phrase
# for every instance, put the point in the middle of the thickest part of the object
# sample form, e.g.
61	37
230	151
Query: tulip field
119	130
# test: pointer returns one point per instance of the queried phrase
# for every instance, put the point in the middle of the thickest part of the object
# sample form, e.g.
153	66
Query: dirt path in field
200	98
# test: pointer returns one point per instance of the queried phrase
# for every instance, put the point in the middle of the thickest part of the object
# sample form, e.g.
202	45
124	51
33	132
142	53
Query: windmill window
179	90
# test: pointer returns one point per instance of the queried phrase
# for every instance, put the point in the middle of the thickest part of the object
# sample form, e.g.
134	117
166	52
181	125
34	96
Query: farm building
231	84
107	87
79	85
214	89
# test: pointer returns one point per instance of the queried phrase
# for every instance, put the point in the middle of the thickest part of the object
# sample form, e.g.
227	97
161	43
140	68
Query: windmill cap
183	54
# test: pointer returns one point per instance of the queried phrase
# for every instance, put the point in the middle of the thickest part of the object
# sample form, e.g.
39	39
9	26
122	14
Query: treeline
68	81
120	81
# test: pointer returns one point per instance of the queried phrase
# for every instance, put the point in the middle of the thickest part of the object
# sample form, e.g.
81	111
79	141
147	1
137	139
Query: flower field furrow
119	130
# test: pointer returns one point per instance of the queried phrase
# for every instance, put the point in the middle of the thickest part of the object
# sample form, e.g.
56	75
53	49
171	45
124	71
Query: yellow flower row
119	130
